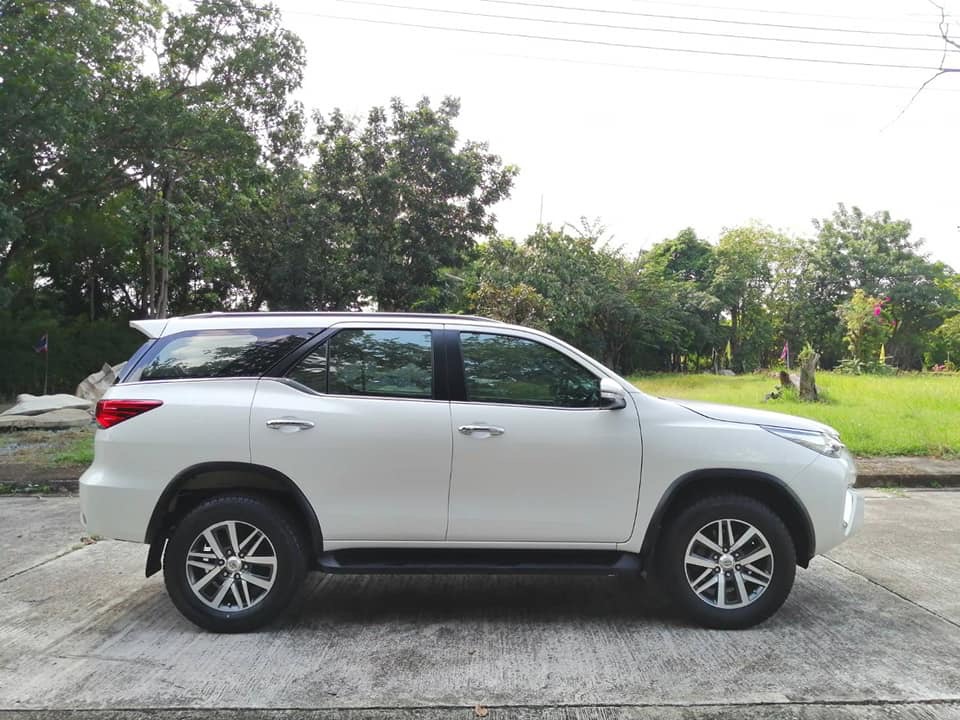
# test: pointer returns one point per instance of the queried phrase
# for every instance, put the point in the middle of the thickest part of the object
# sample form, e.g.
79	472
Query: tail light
111	412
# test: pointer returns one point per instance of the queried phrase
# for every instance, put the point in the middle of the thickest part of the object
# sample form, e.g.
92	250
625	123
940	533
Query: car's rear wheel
729	561
233	563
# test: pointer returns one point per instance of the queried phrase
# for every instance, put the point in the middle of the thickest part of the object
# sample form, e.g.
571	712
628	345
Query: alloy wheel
231	566
728	563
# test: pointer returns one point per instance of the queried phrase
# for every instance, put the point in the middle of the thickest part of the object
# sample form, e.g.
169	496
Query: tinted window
384	363
219	353
505	369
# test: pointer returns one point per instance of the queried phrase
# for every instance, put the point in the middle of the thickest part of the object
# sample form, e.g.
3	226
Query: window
218	353
505	369
382	363
131	366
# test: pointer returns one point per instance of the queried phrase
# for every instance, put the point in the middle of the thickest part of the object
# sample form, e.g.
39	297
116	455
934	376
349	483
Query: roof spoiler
151	328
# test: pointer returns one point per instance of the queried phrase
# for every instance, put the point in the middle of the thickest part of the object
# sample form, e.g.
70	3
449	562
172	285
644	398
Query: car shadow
346	599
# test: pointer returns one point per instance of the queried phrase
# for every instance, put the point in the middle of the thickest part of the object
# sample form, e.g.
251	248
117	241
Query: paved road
873	631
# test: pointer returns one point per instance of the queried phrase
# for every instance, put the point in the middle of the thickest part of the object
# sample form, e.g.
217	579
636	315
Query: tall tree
876	253
405	195
690	261
91	120
68	70
741	283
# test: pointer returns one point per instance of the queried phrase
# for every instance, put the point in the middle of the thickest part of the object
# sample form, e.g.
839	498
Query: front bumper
853	504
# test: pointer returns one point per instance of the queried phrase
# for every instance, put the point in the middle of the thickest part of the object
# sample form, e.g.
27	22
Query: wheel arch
764	487
194	484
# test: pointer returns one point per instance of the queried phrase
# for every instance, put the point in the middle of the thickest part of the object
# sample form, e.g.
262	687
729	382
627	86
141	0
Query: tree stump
808	379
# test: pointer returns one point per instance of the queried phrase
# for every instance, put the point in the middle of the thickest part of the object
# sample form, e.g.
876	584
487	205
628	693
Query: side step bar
401	561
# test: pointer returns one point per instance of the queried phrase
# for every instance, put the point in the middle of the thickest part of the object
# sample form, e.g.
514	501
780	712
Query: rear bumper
109	510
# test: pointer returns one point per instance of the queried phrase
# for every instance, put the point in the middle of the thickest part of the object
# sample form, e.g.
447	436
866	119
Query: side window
312	370
382	363
506	369
217	353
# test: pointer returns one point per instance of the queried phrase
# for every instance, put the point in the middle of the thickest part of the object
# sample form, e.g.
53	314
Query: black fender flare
157	528
734	479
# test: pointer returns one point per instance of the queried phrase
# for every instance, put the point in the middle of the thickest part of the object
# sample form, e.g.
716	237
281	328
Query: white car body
396	473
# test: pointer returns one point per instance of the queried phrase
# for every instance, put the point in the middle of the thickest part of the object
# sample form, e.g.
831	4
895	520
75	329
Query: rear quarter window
218	353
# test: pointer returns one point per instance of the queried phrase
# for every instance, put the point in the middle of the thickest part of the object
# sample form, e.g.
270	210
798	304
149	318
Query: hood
749	416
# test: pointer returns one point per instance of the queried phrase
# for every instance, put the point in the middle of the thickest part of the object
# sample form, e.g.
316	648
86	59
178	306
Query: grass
59	448
915	414
78	451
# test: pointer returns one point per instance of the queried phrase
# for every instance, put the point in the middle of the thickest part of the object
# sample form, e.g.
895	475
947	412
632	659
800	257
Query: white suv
246	449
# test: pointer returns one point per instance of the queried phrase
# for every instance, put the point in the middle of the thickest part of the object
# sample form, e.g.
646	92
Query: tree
867	327
67	74
740	283
876	254
404	195
584	291
218	104
97	125
685	258
689	264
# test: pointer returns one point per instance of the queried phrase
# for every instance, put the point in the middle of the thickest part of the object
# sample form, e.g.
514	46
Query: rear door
361	424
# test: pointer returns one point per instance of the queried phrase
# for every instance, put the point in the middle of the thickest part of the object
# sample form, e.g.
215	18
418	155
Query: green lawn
917	414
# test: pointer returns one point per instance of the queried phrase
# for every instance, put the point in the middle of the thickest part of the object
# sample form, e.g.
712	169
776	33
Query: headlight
820	442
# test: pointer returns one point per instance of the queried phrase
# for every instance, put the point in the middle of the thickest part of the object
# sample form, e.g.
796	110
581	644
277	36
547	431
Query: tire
752	592
258	591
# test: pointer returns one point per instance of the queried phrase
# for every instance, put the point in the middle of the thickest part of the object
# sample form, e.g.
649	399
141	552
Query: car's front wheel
233	563
729	561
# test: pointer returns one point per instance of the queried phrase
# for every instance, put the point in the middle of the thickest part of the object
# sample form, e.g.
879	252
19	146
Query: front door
358	426
535	456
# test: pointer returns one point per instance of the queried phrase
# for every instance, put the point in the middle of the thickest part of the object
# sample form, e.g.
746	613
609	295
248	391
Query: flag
729	352
42	345
785	353
883	355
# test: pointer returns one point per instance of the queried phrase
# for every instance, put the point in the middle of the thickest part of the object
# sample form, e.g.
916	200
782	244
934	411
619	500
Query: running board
402	561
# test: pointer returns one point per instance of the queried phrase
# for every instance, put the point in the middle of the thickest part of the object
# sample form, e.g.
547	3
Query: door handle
492	430
289	424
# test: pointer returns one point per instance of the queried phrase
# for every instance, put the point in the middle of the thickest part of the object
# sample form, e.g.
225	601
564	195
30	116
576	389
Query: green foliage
582	290
873	253
403	196
77	347
116	177
868	326
78	453
945	342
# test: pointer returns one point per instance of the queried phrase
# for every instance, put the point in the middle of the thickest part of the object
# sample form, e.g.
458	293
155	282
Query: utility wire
635	13
635	46
690	71
909	17
609	26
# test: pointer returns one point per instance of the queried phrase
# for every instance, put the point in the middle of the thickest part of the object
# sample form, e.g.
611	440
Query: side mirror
612	396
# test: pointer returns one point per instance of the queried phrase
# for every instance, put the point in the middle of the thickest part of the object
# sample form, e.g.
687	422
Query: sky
650	140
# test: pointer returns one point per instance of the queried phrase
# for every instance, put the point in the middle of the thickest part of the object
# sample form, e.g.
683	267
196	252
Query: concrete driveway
873	631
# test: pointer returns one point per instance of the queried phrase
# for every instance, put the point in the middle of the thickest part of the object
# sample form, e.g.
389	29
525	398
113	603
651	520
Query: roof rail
345	313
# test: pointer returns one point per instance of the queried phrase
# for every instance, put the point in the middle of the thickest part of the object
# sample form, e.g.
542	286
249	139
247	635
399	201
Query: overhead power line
717	73
909	17
635	46
635	13
610	26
